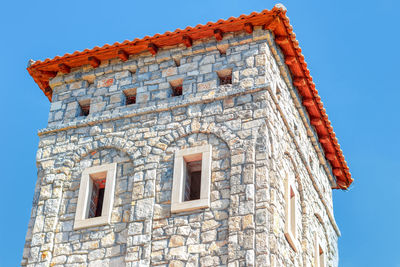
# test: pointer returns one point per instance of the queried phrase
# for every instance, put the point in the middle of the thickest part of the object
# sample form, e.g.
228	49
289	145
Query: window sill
190	205
91	222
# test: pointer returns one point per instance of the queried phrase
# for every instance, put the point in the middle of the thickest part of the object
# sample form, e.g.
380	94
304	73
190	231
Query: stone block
107	82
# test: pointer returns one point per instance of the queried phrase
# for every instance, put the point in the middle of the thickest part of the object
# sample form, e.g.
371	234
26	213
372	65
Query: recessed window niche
191	179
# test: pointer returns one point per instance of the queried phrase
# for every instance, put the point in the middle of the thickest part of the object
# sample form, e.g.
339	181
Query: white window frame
291	195
177	198
85	190
319	258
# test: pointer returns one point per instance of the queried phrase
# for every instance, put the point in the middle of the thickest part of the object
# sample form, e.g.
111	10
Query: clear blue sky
351	50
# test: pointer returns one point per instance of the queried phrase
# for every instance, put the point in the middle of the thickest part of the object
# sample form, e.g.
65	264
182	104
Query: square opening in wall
225	76
176	87
130	96
193	177
84	107
222	49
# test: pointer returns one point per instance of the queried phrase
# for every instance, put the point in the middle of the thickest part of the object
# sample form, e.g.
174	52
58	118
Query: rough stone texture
259	133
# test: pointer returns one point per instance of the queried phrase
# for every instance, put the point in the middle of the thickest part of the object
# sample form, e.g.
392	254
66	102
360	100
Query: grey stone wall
197	236
196	67
259	133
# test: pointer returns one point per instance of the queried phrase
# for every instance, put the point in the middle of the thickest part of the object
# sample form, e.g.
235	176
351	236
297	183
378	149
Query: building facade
207	146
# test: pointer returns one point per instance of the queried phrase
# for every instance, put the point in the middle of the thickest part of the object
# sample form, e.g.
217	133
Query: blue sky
351	50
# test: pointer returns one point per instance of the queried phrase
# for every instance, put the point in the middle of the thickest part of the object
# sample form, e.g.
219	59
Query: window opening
85	108
176	87
96	196
225	77
193	180
130	96
225	80
177	90
290	212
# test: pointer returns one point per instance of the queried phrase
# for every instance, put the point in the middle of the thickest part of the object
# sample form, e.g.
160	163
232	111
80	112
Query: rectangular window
96	196
84	107
319	257
130	96
191	180
290	212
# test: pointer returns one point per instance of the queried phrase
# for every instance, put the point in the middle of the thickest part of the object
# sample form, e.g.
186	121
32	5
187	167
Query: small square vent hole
176	87
225	76
130	96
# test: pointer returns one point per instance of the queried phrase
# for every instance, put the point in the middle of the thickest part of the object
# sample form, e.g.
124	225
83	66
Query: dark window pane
100	199
225	80
96	198
85	110
193	180
177	90
93	201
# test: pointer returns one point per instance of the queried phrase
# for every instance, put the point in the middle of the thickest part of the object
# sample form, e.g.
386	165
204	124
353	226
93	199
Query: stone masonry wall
197	236
312	178
259	134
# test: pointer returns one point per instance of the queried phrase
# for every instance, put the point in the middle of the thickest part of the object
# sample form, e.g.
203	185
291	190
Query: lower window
319	254
191	181
96	196
290	212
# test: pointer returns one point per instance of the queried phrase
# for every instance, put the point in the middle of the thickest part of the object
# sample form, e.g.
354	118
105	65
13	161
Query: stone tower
207	146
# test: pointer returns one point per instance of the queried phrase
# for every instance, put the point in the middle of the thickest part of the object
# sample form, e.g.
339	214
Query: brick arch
117	143
65	165
221	131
